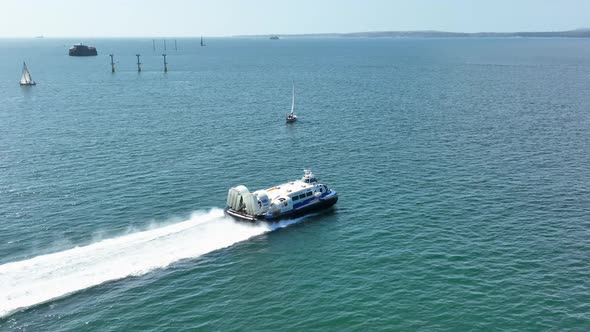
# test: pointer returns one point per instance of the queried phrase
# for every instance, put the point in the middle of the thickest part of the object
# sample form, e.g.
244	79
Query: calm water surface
462	167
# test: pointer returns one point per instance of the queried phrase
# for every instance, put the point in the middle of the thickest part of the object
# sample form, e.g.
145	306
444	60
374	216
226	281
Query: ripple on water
460	166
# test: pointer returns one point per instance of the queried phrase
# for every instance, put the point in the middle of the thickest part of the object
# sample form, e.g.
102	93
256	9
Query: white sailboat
25	78
291	117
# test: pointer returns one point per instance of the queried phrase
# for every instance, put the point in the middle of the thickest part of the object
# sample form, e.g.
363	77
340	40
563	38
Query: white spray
42	278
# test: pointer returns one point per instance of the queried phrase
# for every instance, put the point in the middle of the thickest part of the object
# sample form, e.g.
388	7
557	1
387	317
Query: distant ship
274	37
202	42
25	77
82	50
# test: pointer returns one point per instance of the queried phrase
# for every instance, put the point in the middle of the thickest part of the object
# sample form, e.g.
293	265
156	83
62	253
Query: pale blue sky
132	18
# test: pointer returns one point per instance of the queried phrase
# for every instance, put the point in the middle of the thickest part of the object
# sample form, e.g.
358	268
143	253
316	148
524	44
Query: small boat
288	200
274	37
291	117
82	50
202	43
25	77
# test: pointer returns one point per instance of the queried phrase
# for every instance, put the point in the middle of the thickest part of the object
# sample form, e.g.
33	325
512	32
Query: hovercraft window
301	196
294	198
308	194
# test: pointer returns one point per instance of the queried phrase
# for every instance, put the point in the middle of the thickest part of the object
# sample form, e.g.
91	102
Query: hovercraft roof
308	181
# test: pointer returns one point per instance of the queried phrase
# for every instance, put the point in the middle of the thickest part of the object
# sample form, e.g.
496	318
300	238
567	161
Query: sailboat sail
25	78
291	117
293	101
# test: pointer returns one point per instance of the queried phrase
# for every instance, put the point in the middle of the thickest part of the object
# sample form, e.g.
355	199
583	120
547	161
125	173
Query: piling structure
138	64
112	64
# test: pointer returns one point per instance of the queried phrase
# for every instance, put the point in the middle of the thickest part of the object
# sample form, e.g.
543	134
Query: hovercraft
288	200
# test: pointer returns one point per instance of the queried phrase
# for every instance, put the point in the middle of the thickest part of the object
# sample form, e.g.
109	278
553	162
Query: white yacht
291	117
287	200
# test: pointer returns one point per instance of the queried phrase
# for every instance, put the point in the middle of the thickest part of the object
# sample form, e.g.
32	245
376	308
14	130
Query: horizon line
41	36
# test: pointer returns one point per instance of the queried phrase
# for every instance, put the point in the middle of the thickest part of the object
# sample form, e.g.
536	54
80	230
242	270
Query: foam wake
42	278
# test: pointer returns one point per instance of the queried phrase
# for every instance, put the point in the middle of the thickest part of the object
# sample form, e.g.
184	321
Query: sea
462	167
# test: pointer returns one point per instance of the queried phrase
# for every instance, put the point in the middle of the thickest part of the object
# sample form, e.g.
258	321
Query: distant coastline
578	33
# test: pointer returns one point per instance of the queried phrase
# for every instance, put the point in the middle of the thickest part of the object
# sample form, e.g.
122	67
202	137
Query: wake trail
42	278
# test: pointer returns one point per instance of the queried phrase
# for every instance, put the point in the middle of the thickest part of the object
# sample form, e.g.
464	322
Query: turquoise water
462	167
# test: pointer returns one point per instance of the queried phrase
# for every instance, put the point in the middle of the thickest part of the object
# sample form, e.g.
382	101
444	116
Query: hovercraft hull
321	204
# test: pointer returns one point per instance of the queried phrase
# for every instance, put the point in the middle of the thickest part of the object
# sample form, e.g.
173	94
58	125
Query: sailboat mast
26	74
293	101
29	78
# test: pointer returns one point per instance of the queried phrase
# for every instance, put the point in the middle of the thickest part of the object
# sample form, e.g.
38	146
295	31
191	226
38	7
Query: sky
180	18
